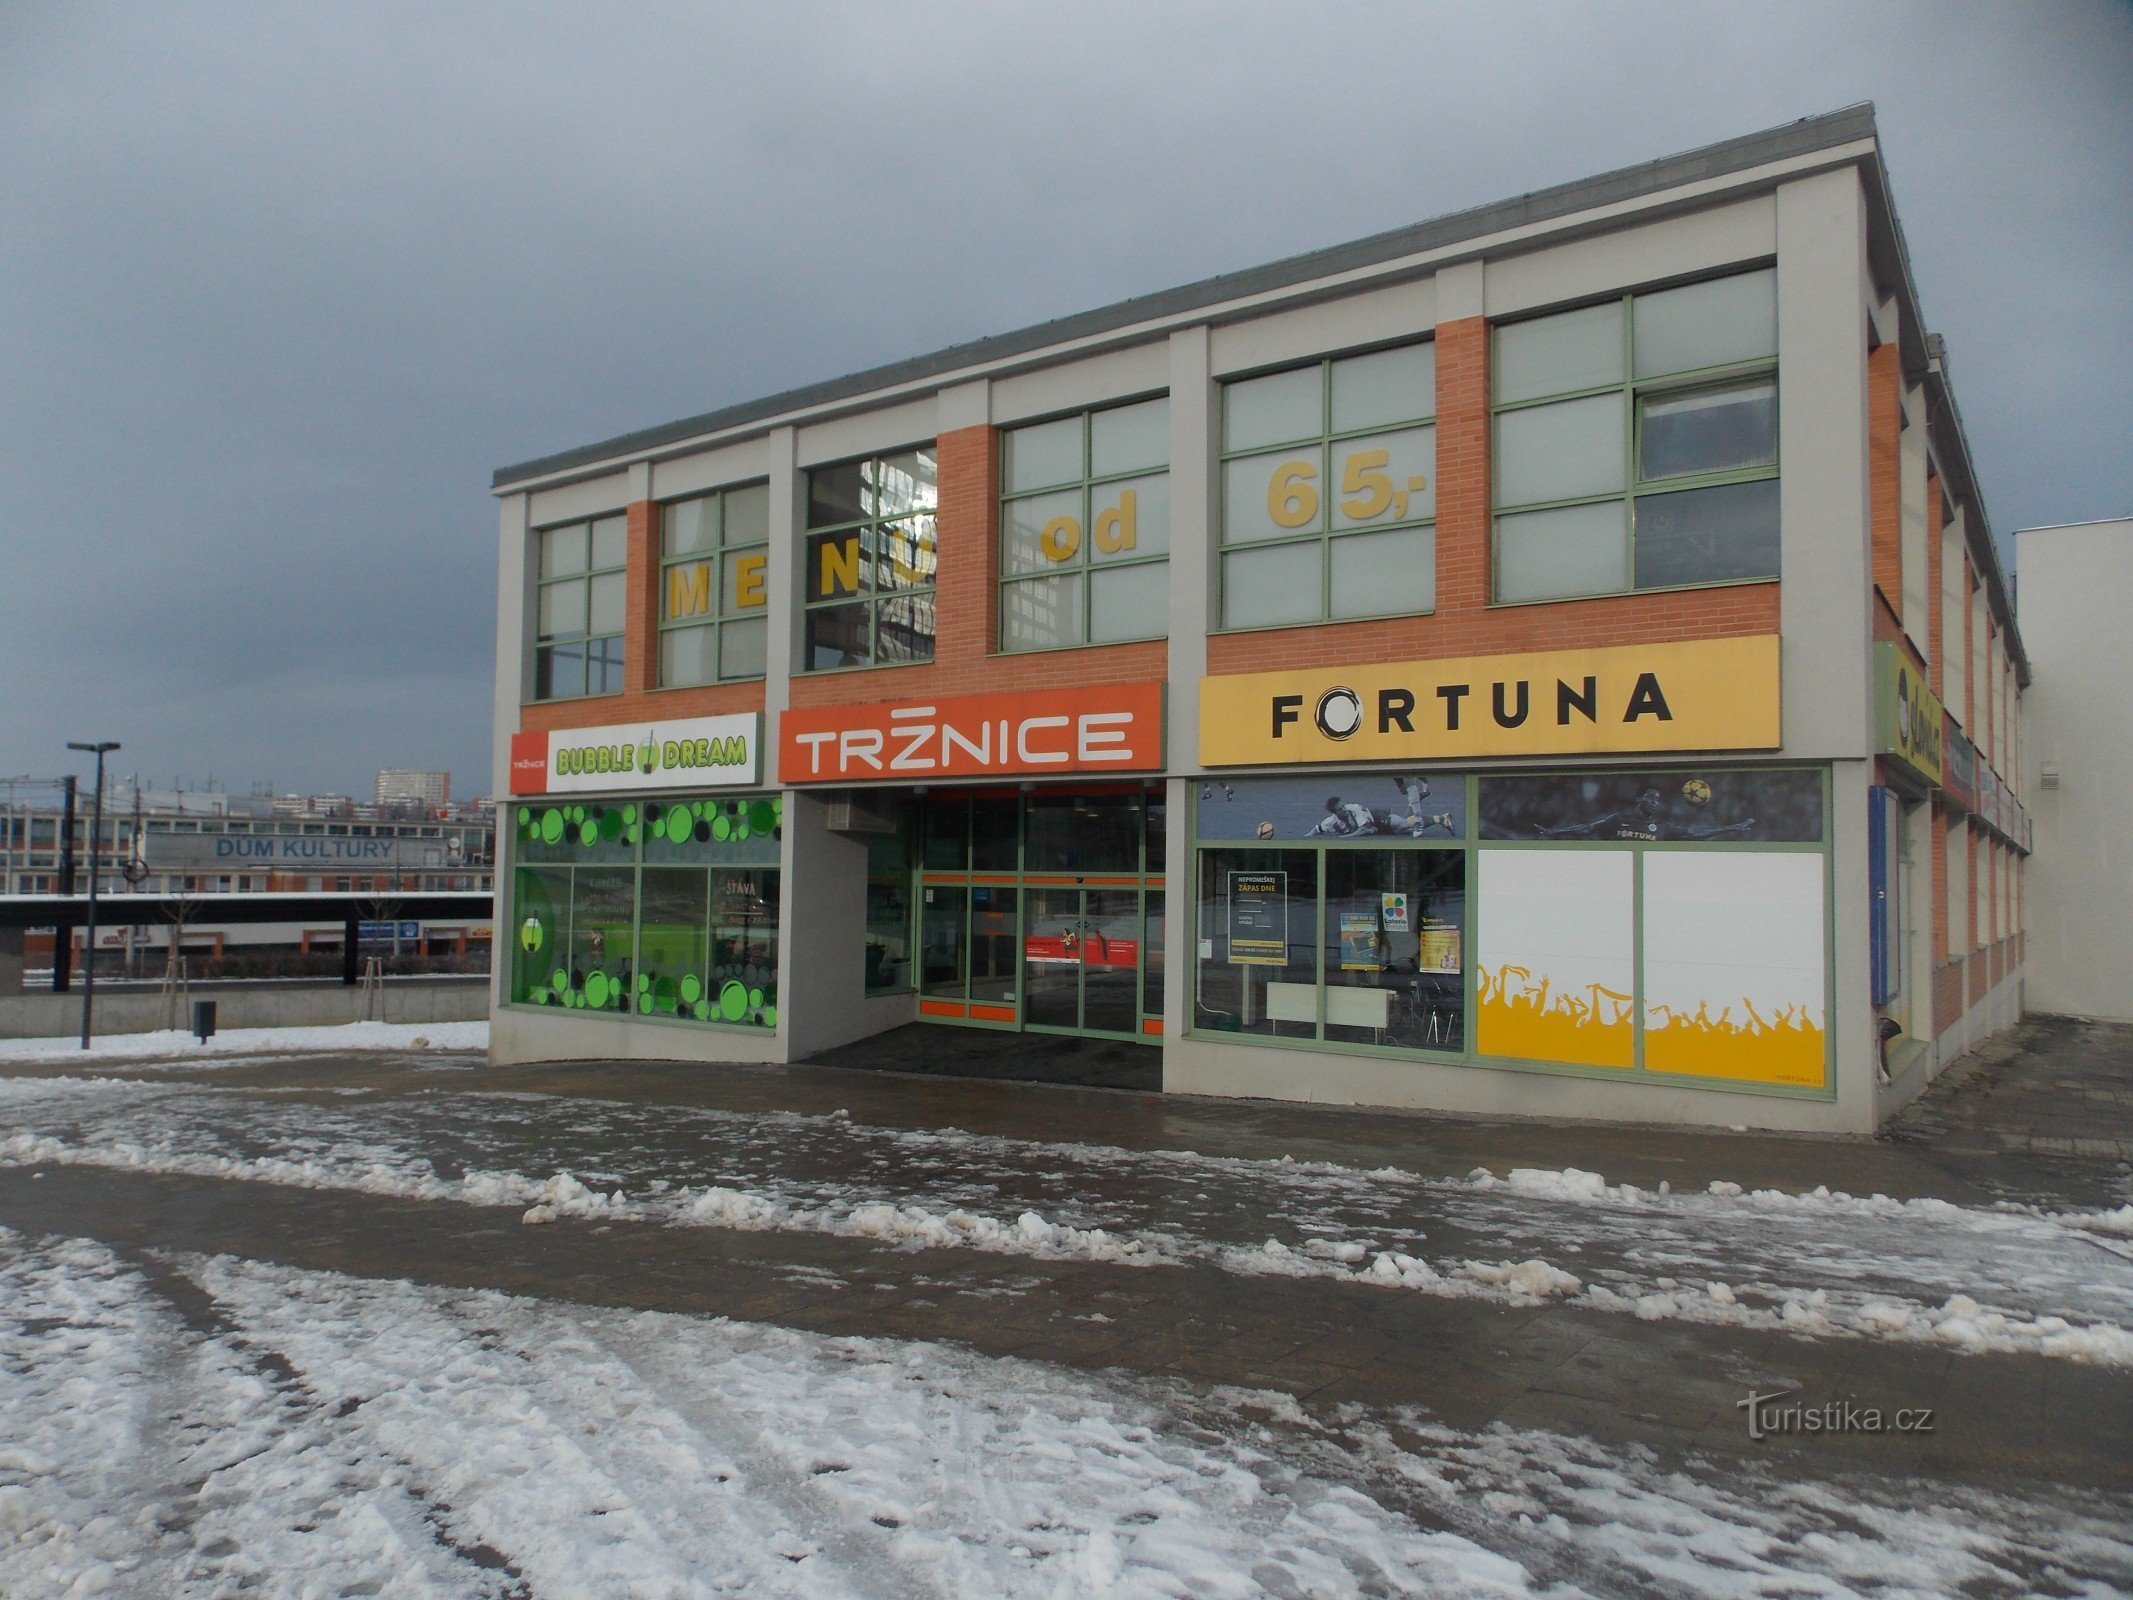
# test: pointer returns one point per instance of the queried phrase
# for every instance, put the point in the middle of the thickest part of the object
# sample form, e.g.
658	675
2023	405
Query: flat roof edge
1805	136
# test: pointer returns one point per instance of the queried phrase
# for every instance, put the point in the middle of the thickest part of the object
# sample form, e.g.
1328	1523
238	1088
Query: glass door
1051	959
1081	960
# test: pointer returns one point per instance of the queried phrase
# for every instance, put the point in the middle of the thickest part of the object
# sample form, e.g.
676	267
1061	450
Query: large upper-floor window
1085	529
1637	442
578	630
714	551
870	562
1329	490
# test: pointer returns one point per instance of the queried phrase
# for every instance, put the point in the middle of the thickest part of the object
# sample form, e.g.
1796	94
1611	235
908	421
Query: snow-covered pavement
188	1426
1825	1265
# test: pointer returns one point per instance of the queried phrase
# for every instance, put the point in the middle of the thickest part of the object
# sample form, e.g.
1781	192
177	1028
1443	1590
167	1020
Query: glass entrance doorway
1043	912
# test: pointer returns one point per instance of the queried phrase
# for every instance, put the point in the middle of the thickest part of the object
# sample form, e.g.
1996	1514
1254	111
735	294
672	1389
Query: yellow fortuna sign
1712	694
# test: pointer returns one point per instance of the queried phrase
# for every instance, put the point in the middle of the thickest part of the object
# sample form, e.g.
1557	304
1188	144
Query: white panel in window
1130	518
1043	532
1129	603
1040	613
748	514
1712	324
607	604
685	655
1707	430
1385	478
1129	438
1561	451
1556	956
562	608
741	652
1274	495
1384	387
1560	354
1265	588
1546	555
1384	574
1733	981
1269	410
563	551
688	526
1040	456
610	542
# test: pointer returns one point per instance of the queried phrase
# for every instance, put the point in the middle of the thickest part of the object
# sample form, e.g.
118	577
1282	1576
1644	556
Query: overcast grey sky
280	285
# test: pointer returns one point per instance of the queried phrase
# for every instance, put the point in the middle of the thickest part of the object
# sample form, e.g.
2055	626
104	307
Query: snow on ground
207	1427
175	1048
243	1426
1823	1265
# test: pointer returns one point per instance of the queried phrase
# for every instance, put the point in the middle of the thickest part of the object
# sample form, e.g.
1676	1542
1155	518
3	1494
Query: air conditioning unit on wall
850	813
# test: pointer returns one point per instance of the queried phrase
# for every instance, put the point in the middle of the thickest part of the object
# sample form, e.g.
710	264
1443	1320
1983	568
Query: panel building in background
1547	659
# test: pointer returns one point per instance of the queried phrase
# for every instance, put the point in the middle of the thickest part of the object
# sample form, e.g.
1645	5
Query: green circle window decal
770	1016
611	826
703	1011
629	813
663	994
531	936
596	989
733	1002
679	825
551	826
559	981
755	997
762	817
588	833
692	989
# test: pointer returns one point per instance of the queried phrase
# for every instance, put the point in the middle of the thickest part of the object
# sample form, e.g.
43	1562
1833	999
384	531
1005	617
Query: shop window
714	555
1083	832
870	561
663	908
1637	442
1258	960
889	864
1394	940
1085	529
578	609
1329	490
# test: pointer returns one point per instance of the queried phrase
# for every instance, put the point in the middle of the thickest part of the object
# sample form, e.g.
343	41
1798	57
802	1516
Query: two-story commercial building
1548	659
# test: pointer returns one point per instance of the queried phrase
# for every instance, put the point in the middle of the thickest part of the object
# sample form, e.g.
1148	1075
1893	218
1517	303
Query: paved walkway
1995	1129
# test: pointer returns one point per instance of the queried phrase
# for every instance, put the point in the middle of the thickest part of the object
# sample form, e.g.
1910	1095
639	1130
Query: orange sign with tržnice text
1041	733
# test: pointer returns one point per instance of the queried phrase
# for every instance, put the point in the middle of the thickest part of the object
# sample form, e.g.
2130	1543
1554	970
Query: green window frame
714	554
1332	516
579	605
870	560
1585	500
1085	528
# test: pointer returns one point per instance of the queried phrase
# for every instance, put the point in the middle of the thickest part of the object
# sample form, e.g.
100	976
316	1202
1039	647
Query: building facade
1498	665
2076	579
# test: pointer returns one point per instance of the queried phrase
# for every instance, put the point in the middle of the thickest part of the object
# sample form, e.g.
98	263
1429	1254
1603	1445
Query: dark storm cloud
279	286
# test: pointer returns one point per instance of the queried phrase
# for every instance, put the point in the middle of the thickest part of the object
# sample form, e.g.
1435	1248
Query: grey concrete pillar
10	961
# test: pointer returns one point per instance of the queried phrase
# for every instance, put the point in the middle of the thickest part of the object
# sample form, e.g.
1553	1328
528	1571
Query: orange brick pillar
1936	588
1463	486
966	595
1884	430
640	622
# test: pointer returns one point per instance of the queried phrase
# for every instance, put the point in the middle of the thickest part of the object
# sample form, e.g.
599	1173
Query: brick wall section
1968	709
1948	999
1980	975
640	626
1464	622
1884	431
1939	831
1935	589
967	607
1975	876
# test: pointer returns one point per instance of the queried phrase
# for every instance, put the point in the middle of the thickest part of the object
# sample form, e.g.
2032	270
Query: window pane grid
868	579
1319	493
1053	596
713	564
579	565
1754	555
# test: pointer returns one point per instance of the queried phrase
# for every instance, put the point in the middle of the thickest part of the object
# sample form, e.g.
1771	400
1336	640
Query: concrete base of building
266	1005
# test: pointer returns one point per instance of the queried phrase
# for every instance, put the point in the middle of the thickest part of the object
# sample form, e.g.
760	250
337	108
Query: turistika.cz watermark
1783	1412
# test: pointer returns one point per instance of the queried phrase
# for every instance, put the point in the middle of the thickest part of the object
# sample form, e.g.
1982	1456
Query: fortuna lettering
1510	704
919	739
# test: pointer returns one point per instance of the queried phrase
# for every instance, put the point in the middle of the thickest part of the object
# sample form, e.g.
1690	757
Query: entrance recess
1043	912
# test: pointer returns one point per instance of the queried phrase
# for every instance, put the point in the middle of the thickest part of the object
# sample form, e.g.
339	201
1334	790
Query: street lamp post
96	843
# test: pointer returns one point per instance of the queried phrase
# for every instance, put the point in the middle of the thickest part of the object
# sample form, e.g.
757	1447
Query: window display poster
1347	805
1680	807
1259	919
1439	946
1362	950
1733	966
1556	956
1393	907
